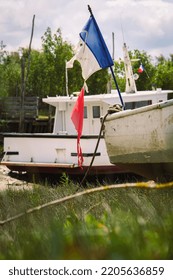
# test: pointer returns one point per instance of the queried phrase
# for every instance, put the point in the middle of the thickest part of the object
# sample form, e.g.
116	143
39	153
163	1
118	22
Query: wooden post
24	81
21	121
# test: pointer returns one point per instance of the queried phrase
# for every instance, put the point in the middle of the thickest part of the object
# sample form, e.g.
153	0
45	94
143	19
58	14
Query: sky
143	24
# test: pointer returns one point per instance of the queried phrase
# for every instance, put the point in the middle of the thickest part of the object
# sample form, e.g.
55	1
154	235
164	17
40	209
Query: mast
113	46
66	78
130	82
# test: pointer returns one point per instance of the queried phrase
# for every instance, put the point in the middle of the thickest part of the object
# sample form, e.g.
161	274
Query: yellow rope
149	184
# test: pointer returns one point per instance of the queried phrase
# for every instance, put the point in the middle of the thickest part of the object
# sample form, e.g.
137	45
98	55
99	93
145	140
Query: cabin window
170	95
143	103
96	112
138	104
85	112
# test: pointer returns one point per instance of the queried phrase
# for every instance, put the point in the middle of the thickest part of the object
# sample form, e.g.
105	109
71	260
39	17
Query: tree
10	75
119	74
36	83
47	68
46	74
164	73
56	52
98	82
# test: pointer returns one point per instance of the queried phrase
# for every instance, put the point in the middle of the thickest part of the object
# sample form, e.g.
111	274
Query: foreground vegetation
124	223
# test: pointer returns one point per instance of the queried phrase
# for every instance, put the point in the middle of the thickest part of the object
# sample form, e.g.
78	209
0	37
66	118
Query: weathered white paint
141	136
52	150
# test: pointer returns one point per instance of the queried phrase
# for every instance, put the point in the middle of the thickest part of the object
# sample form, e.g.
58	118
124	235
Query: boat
55	153
140	140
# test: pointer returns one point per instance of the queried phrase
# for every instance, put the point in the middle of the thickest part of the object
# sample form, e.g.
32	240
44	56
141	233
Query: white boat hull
54	154
141	140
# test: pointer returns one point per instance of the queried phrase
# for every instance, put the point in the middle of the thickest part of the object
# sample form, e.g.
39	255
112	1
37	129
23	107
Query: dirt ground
9	180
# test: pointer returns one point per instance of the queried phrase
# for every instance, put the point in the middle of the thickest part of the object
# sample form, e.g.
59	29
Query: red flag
77	119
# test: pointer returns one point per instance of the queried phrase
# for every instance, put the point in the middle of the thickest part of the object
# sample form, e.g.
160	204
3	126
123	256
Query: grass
126	223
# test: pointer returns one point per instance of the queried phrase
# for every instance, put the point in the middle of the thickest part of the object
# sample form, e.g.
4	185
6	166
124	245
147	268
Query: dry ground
7	180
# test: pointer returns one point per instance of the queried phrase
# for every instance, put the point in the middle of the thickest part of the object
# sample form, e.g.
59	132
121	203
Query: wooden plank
39	164
11	107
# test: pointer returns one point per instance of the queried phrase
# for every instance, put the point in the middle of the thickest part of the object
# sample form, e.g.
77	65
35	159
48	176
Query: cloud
143	24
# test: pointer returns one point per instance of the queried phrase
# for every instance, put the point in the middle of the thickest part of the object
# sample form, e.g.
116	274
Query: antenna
122	30
113	46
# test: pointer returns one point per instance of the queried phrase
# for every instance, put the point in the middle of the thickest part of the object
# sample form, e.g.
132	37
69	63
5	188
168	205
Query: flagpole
112	72
116	84
89	9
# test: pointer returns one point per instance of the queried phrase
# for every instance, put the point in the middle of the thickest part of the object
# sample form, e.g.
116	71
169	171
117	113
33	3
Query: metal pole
21	122
66	79
119	93
89	9
113	46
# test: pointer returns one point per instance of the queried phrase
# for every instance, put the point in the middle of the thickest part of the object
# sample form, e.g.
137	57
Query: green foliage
44	71
164	74
10	75
117	224
56	52
120	75
97	83
46	75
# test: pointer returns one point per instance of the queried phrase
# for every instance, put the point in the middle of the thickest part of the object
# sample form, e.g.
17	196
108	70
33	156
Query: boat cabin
96	106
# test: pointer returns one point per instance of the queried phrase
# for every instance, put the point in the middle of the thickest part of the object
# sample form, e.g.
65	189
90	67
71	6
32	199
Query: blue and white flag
91	52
